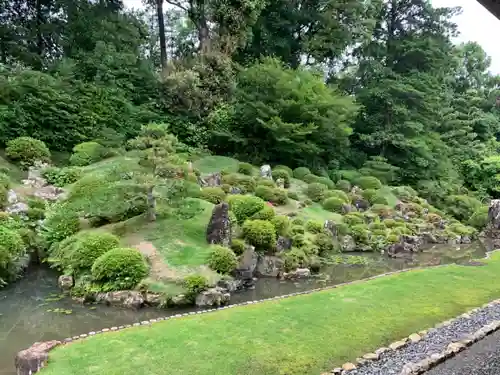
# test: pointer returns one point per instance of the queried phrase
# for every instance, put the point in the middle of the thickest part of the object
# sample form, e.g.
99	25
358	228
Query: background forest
329	85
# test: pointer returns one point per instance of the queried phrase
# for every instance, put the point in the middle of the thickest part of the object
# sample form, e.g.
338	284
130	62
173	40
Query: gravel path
435	341
482	358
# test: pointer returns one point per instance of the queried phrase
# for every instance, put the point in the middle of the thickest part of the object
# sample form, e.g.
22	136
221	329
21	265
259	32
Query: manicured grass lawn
210	164
296	336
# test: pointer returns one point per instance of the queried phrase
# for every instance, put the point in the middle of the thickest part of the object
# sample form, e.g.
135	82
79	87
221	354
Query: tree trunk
151	213
161	31
39	37
204	36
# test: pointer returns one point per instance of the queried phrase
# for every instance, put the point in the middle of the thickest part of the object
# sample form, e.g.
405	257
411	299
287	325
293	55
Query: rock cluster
33	359
219	229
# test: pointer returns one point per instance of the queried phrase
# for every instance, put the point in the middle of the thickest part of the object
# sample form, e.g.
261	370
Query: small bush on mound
283	174
213	195
280	197
285	168
265	182
344	185
380	199
479	219
462	207
281	223
369	194
120	268
316	191
314	226
404	193
301	172
295	258
368	182
267	213
87	153
244	206
293	195
238	246
360	233
265	192
245	168
59	223
325	244
27	150
310	178
222	260
12	250
4	181
260	233
326	181
246	183
298	221
194	285
338	194
62	176
89	247
348	174
333	204
354	218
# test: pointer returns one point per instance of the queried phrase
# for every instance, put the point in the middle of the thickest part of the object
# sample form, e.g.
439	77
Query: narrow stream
32	310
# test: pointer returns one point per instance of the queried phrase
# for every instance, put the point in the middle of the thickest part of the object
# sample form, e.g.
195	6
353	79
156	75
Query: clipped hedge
222	260
260	233
27	150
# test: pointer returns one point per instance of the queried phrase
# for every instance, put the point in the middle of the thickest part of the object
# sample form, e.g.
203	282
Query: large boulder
247	264
299	273
347	244
493	226
50	193
212	180
331	228
213	297
219	229
270	266
406	246
17	208
266	172
283	243
33	359
125	298
65	282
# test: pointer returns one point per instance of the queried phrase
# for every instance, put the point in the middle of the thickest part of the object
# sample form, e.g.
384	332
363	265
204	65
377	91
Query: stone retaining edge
69	340
452	349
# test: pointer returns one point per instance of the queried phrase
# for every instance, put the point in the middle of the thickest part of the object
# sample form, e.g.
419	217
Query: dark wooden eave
493	6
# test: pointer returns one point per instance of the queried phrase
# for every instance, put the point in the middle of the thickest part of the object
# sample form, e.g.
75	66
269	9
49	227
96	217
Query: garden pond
34	310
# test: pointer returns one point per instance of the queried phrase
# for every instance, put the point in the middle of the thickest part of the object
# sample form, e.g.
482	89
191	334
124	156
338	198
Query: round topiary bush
87	153
260	233
246	183
244	206
222	260
325	244
333	204
369	194
338	194
265	182
194	285
245	168
310	178
213	195
344	185
380	199
238	246
295	258
120	268
314	226
89	247
280	197
265	192
325	181
283	174
297	229
285	168
281	223
316	191
293	195
27	150
368	182
354	218
479	219
59	223
267	213
301	172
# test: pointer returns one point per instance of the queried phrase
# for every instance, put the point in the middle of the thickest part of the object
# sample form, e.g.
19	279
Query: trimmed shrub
213	195
333	204
267	213
369	194
222	260
245	168
27	150
298	221
316	191
298	239
120	268
404	193
368	182
380	199
297	229
462	207
246	183
314	226
265	182
344	185
62	176
360	233
293	195
283	174
225	187
280	197
285	168
301	172
89	247
325	244
354	218
244	206
87	153
194	285
12	250
326	181
265	192
479	219
238	246
338	194
295	258
59	223
4	181
348	174
282	224
310	178
4	193
260	233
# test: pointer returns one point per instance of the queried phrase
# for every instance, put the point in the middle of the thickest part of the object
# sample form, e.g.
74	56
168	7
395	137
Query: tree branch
177	4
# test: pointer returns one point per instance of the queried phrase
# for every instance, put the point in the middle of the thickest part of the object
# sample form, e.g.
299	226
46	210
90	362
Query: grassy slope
296	336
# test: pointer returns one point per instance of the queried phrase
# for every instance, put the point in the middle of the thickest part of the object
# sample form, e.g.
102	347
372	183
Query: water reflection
31	310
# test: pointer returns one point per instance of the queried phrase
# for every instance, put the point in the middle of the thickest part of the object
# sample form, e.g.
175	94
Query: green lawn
210	164
296	336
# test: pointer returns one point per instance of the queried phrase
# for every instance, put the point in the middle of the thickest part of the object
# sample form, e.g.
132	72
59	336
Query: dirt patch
159	269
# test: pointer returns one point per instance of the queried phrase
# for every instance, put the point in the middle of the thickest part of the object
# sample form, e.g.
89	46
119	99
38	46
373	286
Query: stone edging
434	359
176	316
